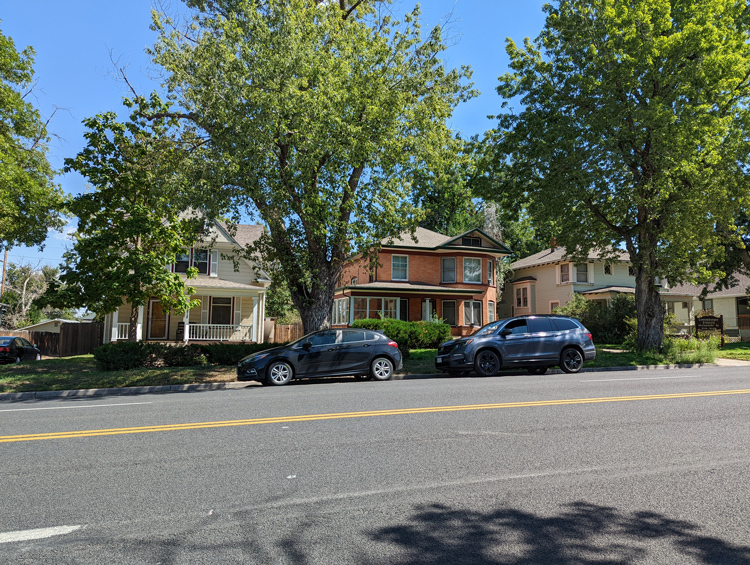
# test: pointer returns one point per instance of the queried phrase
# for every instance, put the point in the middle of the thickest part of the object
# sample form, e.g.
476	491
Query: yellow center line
367	414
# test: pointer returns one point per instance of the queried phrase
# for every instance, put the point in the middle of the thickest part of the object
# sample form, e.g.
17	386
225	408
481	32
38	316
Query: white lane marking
642	379
41	533
72	407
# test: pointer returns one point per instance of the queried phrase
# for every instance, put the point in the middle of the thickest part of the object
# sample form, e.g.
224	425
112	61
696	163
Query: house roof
44	322
428	239
523	279
622	289
217	283
557	255
411	287
739	289
248	234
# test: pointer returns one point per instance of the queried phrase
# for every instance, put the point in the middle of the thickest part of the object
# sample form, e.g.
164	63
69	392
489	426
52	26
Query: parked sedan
327	353
17	349
535	343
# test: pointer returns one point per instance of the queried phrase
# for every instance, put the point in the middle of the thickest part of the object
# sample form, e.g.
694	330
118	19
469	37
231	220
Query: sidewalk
236	385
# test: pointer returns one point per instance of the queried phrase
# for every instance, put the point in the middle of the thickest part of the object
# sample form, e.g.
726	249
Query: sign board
710	324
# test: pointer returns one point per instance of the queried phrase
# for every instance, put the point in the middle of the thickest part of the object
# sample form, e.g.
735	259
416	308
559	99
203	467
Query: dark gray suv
535	343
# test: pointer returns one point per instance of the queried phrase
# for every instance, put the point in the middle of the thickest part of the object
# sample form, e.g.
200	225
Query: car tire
571	360
18	359
537	370
487	363
279	373
381	369
38	357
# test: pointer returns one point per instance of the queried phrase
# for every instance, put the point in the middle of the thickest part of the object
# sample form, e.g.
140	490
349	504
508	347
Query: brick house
430	275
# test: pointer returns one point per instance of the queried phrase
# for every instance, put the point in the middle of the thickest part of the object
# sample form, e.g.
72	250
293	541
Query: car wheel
38	356
536	370
279	373
381	369
487	363
18	359
571	360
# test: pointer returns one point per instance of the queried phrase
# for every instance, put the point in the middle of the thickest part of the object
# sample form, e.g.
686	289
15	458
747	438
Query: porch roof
407	287
209	283
606	289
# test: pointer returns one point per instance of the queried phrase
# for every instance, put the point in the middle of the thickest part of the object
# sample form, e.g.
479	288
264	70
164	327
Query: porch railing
122	331
219	332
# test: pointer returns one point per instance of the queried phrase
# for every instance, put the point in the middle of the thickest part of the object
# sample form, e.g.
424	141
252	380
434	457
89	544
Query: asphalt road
595	468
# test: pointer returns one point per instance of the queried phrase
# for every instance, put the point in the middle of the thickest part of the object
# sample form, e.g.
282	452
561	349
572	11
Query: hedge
124	355
409	335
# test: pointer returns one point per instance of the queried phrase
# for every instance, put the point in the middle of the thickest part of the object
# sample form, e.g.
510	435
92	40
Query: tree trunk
650	311
316	306
133	323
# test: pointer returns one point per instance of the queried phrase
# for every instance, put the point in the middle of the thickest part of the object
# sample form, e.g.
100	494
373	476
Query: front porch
197	332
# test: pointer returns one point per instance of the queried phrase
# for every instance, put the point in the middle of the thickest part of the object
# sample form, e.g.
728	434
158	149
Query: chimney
553	244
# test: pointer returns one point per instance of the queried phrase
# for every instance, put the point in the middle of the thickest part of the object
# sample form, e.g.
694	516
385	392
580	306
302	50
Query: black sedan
327	353
17	349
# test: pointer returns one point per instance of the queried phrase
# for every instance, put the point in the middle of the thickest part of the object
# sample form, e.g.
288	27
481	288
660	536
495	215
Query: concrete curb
124	391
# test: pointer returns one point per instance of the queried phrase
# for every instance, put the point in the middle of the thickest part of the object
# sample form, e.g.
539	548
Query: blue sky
76	41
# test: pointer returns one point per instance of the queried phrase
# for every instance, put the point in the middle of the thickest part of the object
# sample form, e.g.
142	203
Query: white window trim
481	312
491	311
611	269
551	302
558	271
213	263
455	270
463	270
490	273
407	268
588	273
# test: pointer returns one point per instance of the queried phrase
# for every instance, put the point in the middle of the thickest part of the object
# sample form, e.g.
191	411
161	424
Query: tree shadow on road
581	534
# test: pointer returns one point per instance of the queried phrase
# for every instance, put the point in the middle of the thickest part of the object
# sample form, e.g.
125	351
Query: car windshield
488	329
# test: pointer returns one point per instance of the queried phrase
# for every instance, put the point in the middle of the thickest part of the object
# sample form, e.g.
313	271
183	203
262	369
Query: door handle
333	349
366	345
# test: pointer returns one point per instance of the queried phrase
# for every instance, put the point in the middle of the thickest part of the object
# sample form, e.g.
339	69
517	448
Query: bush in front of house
124	355
409	335
607	323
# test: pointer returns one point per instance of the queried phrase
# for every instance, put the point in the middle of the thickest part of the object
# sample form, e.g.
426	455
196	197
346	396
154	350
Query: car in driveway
16	349
327	353
534	343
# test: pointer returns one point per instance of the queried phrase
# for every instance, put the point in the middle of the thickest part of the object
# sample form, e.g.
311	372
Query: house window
341	311
565	273
449	312
472	270
607	269
742	306
490	272
448	269
360	308
582	273
708	304
472	313
374	308
221	310
471	242
400	268
354	281
182	262
490	312
200	261
670	307
553	305
522	297
631	271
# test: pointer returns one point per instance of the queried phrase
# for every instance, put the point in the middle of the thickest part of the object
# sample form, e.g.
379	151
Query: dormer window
200	261
565	273
471	242
182	262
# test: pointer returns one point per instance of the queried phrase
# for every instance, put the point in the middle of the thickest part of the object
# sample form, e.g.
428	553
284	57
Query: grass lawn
80	372
739	350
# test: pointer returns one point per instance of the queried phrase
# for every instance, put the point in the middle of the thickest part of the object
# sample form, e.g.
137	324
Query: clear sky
76	42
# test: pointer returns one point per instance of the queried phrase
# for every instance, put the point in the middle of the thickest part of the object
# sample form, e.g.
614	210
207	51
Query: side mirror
307	345
506	333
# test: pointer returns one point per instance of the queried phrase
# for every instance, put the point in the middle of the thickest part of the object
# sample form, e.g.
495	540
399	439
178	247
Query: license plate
438	361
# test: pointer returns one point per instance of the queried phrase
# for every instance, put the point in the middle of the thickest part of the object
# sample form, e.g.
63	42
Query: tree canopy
317	116
632	133
132	225
30	202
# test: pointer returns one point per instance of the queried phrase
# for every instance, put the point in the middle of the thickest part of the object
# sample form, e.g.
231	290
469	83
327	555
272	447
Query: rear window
5	340
539	325
348	336
564	324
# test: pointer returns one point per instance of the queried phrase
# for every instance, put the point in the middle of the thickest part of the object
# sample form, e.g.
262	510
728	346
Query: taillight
4	349
393	344
591	337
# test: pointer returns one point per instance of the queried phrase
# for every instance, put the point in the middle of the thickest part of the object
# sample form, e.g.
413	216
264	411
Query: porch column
256	312
139	325
186	323
262	314
115	320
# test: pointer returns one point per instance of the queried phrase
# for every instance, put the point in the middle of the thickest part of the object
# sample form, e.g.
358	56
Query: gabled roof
427	239
557	255
739	289
47	321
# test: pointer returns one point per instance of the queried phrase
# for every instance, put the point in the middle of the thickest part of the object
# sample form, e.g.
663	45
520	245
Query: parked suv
535	343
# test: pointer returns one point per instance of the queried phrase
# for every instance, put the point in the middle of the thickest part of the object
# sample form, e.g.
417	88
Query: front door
157	321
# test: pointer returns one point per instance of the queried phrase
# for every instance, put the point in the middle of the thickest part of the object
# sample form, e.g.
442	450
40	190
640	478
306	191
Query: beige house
231	291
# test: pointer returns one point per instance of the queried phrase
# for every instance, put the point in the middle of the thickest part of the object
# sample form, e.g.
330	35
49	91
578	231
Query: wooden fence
73	339
287	332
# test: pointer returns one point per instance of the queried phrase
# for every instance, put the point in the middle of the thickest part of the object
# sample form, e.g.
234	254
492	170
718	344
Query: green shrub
409	335
123	355
230	353
607	323
182	356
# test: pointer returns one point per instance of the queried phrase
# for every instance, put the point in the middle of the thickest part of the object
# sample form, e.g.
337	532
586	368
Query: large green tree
633	132
317	114
133	224
30	202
